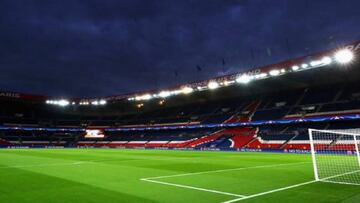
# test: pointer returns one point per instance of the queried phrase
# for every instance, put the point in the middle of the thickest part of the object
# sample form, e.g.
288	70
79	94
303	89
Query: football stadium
285	132
179	101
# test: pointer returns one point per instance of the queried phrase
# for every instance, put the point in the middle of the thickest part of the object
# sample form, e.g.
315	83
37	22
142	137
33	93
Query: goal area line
328	179
339	182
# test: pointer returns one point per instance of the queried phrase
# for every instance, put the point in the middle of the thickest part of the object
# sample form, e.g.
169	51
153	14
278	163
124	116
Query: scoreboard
94	133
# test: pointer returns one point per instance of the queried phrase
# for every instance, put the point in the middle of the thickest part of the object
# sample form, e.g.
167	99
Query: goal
335	155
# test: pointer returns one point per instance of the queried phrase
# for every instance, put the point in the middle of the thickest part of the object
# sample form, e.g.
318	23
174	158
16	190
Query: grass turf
114	175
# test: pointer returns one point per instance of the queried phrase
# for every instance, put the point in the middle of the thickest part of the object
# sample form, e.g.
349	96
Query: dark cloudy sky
109	47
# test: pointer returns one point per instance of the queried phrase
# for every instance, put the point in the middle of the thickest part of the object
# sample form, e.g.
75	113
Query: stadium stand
326	95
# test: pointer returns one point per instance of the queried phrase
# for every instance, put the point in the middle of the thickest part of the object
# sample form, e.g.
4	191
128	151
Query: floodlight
164	94
244	79
146	96
187	90
143	97
102	102
315	63
213	85
63	102
295	68
227	83
326	60
344	56
261	75
304	65
274	72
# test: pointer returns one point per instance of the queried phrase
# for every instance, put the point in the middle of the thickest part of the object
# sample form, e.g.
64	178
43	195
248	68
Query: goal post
335	155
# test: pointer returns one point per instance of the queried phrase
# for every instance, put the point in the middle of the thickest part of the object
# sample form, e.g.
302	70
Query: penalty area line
153	179
193	188
225	170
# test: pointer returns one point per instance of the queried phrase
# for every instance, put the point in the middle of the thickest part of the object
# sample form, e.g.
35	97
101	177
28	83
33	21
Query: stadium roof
311	61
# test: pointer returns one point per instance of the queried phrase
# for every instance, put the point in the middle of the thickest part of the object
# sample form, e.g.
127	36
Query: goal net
335	155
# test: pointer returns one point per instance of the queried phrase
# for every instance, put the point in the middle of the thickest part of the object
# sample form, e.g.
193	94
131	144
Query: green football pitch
119	175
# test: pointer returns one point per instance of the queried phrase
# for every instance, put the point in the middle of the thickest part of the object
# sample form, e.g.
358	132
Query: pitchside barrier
290	151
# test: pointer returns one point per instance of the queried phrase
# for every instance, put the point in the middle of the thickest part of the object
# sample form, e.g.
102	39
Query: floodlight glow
102	102
213	85
63	102
95	103
244	79
304	65
315	63
295	68
187	90
274	72
261	75
164	94
344	56
143	97
283	70
146	96
175	92
326	60
227	83
84	103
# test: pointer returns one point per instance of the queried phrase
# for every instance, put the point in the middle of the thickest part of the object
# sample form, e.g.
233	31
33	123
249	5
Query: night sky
111	47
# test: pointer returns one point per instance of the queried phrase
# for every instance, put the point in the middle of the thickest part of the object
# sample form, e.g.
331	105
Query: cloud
93	47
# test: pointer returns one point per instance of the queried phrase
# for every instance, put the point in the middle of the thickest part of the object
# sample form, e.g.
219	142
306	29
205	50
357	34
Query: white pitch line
85	162
339	182
41	165
297	185
151	179
193	188
343	174
224	170
343	183
270	191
